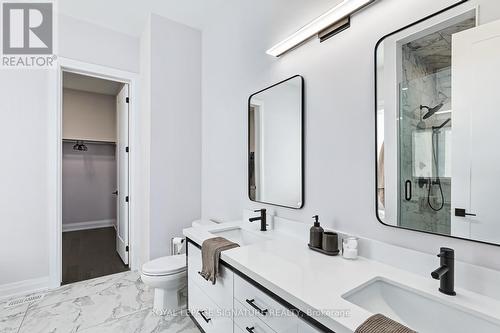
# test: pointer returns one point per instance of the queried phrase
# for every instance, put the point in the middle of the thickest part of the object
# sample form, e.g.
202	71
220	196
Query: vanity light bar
340	12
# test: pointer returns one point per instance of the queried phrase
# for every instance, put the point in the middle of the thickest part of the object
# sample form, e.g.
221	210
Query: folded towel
381	324
210	254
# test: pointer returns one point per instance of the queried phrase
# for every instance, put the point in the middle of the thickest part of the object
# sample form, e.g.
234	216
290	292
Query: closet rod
90	141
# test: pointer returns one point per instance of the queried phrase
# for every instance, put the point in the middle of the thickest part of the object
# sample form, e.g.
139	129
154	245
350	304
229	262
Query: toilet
168	276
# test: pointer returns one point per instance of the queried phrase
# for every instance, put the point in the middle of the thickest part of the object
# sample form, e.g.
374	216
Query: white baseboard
24	287
88	225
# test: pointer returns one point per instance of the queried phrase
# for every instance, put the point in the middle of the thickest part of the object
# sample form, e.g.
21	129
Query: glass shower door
424	161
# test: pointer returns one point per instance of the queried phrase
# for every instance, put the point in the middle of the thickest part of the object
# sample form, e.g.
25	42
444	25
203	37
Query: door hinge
127	149
127	100
126	248
126	199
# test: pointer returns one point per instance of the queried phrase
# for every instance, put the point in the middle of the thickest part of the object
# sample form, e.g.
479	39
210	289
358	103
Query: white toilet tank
199	223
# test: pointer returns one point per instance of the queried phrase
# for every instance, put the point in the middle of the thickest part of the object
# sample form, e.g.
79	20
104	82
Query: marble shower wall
426	80
421	86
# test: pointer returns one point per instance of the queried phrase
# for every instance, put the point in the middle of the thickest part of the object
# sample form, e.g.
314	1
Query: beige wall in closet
89	116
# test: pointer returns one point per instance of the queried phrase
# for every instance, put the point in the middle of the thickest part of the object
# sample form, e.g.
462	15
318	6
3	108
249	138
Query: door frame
55	140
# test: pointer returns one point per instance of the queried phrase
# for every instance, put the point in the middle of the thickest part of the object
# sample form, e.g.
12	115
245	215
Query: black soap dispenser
316	233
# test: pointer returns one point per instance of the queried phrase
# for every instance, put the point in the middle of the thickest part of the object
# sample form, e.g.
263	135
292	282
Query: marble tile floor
115	303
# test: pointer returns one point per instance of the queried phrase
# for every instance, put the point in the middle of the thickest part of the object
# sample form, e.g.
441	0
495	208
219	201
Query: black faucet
262	218
446	273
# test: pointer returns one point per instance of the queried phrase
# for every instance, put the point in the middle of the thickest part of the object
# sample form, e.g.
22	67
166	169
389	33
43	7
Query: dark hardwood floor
88	254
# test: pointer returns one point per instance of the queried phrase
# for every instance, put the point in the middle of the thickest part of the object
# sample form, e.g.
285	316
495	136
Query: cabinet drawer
206	313
222	292
264	307
247	322
237	329
306	328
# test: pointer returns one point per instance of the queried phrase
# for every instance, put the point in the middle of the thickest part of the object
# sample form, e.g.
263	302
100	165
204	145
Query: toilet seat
164	266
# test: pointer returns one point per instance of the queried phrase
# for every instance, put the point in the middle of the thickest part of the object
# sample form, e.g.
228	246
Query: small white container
350	248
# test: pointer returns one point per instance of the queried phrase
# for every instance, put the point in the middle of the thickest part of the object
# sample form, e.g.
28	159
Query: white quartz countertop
315	283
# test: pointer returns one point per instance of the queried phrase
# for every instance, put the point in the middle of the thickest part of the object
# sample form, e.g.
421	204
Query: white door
476	136
122	216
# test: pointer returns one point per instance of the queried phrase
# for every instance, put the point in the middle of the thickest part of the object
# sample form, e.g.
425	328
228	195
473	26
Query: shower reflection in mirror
429	126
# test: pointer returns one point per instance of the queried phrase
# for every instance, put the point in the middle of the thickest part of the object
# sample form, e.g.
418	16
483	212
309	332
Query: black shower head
431	111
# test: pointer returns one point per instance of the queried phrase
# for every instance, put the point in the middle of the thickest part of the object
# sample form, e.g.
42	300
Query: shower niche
435	151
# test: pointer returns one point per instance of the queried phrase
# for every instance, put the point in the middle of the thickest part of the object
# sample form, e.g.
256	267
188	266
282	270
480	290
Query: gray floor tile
120	299
147	322
117	303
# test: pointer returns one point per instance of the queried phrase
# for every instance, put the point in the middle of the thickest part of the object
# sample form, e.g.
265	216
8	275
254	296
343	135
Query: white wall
27	200
24	206
340	115
90	43
175	155
143	230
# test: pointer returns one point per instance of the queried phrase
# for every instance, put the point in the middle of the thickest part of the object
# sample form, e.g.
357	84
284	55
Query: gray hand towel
210	254
381	324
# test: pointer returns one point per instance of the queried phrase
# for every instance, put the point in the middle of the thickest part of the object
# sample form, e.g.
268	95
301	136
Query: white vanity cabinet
236	305
246	321
220	293
263	307
208	315
237	329
210	305
263	313
304	327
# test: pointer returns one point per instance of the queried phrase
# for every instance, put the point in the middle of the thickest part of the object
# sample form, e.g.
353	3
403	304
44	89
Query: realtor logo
27	29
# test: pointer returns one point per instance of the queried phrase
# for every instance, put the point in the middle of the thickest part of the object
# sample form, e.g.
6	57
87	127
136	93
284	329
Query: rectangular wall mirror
275	144
437	112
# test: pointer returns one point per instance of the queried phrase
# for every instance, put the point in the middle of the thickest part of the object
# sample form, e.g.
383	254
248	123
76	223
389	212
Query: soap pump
316	233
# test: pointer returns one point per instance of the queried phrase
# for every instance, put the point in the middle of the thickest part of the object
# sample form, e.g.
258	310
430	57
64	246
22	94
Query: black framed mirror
436	155
276	144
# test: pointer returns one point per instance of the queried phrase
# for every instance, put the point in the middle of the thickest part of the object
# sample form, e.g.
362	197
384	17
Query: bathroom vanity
236	303
274	283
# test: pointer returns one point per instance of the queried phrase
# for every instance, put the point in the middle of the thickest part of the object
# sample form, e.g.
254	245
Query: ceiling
129	16
90	84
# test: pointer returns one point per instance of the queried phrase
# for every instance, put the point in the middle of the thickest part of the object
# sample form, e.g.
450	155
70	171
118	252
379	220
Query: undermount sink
238	235
417	310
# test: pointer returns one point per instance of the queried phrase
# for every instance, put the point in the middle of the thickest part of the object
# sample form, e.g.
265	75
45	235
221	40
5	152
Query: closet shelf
97	142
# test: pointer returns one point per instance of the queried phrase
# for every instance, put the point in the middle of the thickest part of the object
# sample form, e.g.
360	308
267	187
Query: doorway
95	177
